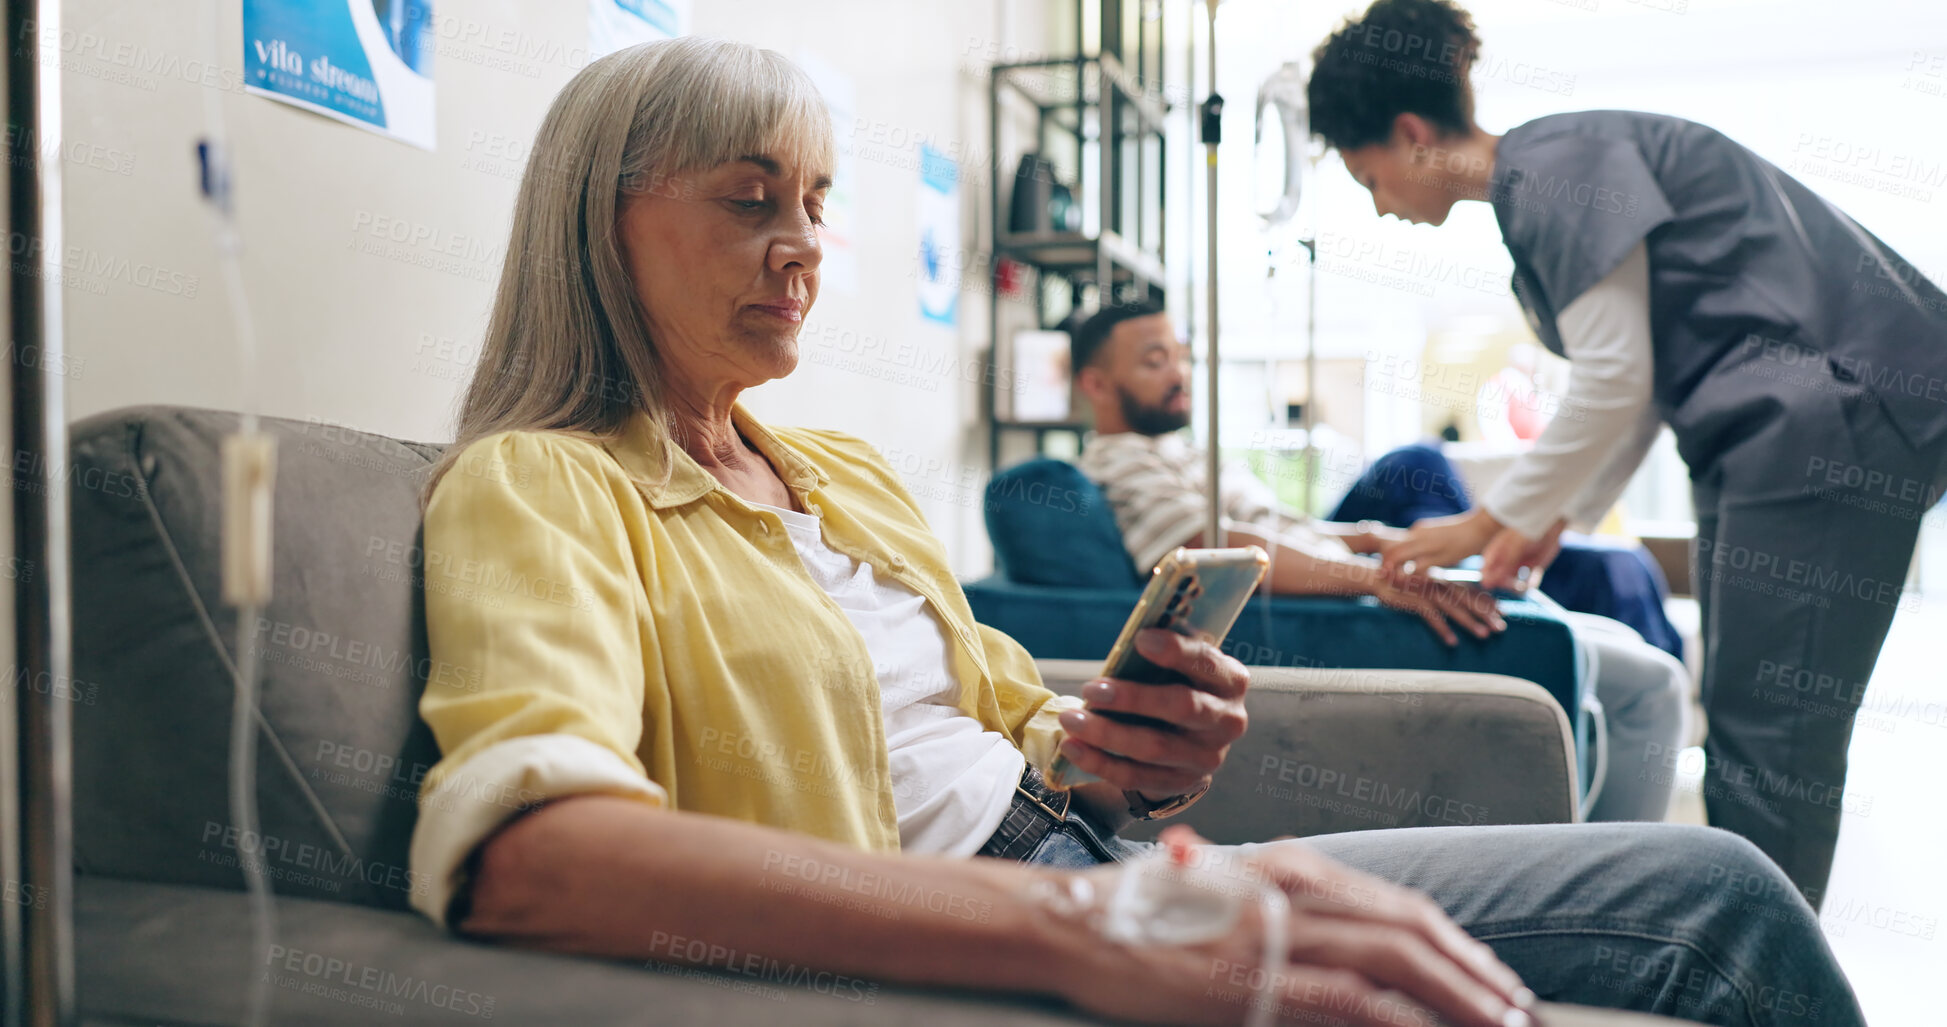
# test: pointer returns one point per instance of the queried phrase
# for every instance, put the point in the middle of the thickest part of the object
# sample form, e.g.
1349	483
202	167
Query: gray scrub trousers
1802	365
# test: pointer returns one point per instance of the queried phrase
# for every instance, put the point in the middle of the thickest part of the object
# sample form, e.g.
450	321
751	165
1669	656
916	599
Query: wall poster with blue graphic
614	24
941	260
364	62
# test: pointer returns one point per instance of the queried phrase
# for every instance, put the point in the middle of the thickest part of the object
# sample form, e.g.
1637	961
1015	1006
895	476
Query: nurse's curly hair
1400	57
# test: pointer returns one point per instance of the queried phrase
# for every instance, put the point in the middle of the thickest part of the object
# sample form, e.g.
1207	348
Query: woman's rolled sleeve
532	620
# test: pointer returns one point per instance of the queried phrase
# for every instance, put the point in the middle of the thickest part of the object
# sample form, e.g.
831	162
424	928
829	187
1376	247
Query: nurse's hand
1440	541
1510	552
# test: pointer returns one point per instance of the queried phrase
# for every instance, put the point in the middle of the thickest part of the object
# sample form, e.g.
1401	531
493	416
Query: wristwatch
1143	808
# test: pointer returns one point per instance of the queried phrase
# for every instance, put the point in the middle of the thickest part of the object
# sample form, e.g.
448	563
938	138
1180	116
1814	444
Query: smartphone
1197	593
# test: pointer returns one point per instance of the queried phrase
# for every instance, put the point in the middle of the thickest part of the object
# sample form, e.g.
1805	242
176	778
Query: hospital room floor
1888	892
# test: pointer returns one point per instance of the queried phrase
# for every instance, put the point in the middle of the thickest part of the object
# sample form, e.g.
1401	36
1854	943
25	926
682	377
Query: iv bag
1290	142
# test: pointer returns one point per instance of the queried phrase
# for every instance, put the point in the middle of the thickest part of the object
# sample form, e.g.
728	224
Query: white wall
358	330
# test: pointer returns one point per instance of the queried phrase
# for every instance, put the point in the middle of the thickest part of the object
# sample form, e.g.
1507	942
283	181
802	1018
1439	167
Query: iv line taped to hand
1171	896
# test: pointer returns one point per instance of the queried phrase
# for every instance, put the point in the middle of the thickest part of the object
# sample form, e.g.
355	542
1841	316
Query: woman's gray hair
567	348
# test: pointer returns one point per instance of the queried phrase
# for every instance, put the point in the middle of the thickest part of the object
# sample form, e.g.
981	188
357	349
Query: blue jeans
1681	921
1079	843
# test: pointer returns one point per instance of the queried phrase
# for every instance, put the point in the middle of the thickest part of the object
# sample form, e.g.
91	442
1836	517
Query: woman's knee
1713	871
1733	866
1705	857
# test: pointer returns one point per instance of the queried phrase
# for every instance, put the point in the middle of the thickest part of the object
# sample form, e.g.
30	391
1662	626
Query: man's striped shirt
1155	485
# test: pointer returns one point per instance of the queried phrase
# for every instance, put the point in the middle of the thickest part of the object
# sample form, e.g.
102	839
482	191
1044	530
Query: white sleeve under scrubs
1583	460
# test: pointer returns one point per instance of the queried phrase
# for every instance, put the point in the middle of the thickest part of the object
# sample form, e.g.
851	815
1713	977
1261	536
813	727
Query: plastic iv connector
1182	894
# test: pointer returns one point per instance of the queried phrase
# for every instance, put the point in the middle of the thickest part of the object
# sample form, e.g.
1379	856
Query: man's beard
1151	420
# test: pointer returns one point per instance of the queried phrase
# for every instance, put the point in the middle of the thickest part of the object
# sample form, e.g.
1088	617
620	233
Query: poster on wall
1036	384
363	62
940	260
614	24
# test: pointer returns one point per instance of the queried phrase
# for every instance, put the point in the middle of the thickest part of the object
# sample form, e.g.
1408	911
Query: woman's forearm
611	877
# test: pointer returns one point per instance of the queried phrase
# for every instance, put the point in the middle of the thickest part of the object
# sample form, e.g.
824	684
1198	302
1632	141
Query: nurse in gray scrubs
1800	362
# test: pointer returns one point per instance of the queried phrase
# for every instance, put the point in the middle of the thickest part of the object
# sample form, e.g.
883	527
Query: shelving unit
1100	119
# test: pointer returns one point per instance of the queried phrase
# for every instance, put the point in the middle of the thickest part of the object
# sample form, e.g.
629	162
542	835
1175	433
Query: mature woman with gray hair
724	653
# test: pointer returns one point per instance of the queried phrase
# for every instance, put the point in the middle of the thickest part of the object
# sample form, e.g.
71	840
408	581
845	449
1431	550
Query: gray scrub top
1769	307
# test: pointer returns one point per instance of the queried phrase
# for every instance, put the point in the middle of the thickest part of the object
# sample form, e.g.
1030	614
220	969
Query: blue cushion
1302	631
1050	525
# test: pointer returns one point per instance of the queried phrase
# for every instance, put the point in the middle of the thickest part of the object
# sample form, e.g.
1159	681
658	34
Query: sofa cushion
340	650
1050	525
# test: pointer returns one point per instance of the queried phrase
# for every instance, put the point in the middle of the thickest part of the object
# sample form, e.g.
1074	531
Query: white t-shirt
952	779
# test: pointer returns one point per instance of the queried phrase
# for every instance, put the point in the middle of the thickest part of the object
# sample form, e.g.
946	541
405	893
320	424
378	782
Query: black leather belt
1036	812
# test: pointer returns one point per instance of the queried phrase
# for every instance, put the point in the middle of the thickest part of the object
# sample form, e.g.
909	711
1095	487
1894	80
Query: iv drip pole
1309	414
1212	124
36	816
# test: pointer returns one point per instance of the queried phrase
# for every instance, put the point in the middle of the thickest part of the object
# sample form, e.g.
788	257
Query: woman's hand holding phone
1193	596
1188	728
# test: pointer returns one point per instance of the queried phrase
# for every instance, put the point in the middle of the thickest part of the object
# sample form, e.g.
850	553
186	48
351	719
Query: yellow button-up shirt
597	625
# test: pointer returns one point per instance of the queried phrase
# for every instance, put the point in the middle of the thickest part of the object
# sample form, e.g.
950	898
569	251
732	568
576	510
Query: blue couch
1065	585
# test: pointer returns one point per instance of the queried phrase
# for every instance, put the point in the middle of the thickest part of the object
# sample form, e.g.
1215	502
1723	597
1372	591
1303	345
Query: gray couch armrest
1334	750
182	955
157	952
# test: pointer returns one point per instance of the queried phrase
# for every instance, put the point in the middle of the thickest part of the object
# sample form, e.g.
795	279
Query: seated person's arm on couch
1157	513
1249	499
1443	605
1361	537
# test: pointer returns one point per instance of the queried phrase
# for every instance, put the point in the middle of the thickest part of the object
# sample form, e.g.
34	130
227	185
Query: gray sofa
162	925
